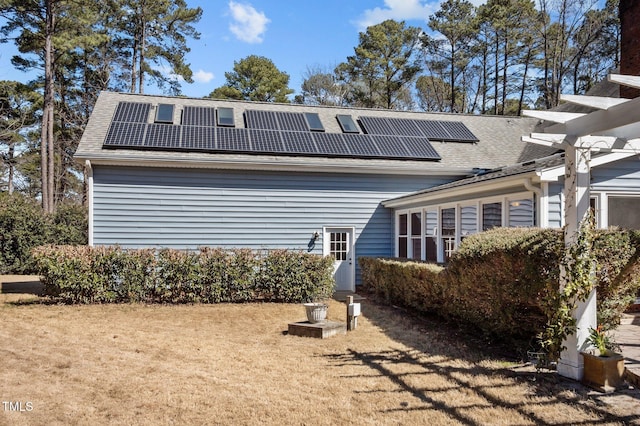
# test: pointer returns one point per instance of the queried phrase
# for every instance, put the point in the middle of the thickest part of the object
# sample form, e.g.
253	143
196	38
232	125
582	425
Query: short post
353	311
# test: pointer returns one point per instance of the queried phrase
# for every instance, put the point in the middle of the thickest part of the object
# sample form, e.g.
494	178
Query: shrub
24	226
505	281
78	274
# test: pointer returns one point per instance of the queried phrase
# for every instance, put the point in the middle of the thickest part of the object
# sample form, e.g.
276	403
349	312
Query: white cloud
402	10
399	10
248	24
202	76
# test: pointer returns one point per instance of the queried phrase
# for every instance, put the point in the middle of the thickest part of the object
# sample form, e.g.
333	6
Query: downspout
89	168
528	184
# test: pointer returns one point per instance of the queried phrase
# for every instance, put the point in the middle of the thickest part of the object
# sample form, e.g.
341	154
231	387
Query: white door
338	242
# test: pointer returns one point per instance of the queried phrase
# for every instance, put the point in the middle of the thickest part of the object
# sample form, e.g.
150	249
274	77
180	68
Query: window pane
416	246
521	213
164	114
225	117
623	212
431	222
491	215
431	249
402	247
347	124
448	218
416	223
313	120
403	225
468	219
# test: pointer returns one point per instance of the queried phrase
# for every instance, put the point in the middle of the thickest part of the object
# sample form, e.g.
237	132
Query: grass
235	364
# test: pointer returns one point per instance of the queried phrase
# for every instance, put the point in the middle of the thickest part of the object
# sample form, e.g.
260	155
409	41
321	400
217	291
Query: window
164	113
402	235
313	120
431	235
347	124
416	236
623	212
339	245
225	117
448	225
491	215
468	221
521	213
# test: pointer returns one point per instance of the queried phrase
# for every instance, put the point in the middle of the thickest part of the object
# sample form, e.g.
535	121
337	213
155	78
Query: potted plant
604	369
316	311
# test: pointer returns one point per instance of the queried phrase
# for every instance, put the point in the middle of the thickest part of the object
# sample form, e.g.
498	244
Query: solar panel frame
405	127
162	136
331	144
263	140
458	131
199	116
132	112
260	119
377	125
299	143
391	146
233	139
361	145
420	148
198	138
433	130
294	121
125	135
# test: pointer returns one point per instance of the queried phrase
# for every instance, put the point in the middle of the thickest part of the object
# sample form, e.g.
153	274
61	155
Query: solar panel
266	140
123	135
433	130
405	127
420	148
458	131
377	125
361	145
132	112
198	116
292	121
391	146
232	139
261	119
198	138
330	143
299	142
162	136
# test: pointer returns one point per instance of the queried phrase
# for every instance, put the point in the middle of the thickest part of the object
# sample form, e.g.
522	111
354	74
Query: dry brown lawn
235	364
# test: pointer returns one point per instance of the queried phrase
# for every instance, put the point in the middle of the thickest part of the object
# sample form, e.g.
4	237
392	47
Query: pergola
614	127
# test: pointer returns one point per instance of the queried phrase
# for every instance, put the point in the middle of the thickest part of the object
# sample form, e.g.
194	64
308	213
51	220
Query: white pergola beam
600	122
593	101
554	116
625	80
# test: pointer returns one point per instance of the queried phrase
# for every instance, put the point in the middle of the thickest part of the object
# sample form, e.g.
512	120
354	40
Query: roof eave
270	163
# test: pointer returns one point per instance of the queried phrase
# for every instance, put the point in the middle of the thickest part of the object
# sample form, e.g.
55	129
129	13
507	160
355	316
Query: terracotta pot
603	373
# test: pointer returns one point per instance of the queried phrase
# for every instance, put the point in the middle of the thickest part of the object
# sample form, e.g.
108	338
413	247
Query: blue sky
294	34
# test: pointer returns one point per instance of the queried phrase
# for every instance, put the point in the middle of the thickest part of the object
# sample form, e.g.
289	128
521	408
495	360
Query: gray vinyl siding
620	176
188	208
555	204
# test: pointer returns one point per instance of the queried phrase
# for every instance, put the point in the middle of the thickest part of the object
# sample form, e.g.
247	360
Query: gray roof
499	139
499	173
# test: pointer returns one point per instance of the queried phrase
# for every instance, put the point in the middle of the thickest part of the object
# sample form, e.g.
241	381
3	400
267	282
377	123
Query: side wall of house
189	208
556	205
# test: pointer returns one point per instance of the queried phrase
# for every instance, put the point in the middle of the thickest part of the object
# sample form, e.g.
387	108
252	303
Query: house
345	182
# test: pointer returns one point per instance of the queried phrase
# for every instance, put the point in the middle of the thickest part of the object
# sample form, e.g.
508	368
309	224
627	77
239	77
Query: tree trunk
10	156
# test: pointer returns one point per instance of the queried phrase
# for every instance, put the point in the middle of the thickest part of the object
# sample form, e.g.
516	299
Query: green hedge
23	226
81	274
503	281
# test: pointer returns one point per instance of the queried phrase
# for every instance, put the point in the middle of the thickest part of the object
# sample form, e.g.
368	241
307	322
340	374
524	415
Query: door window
338	245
